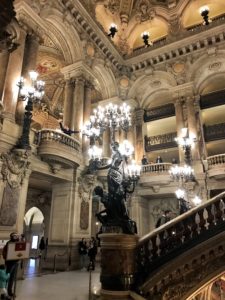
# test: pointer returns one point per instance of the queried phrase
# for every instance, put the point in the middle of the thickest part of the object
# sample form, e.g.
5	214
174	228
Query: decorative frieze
161	141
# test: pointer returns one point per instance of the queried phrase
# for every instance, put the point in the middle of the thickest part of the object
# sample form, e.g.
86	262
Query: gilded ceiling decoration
160	18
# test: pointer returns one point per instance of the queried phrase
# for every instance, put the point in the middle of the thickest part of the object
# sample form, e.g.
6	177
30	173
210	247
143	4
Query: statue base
117	261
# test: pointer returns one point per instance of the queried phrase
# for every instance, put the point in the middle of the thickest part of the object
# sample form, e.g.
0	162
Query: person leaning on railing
65	129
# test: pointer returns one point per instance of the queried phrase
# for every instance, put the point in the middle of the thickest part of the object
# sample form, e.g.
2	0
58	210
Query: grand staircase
180	257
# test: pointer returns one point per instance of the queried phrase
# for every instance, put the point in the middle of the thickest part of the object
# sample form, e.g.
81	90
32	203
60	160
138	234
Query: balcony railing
214	132
58	148
61	138
177	236
156	168
212	99
215	160
162	141
161	112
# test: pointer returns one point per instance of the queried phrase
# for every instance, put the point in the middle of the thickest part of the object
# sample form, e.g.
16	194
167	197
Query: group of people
145	160
88	251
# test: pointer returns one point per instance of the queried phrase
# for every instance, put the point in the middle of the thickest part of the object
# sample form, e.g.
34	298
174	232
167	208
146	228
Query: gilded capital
139	116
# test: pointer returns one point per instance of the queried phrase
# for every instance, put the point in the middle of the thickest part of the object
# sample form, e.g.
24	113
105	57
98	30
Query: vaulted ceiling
158	17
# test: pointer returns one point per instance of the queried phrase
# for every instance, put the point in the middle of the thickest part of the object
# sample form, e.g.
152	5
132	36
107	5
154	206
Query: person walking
92	252
41	246
11	265
82	248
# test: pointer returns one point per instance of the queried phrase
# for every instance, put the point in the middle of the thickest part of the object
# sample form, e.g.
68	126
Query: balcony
158	142
214	132
58	148
153	174
216	166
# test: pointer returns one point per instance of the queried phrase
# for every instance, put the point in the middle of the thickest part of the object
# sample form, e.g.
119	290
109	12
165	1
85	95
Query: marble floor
73	285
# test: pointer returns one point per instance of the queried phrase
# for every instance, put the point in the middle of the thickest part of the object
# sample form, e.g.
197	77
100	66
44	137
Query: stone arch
205	68
105	80
33	215
155	82
56	29
66	36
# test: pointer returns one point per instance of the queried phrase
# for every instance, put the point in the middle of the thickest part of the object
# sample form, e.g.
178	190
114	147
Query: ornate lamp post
204	12
31	94
122	176
112	30
187	142
145	36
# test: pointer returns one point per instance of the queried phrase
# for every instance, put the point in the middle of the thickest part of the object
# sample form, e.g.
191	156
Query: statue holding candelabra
122	176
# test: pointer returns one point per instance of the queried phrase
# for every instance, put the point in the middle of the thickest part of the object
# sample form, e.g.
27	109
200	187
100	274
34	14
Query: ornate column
29	64
12	74
87	112
106	143
68	101
139	144
4	58
78	104
179	124
192	125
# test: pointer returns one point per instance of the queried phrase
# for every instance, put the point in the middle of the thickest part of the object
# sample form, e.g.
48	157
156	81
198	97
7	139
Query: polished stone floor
72	285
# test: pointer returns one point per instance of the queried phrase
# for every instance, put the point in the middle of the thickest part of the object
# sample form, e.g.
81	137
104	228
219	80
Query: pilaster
139	144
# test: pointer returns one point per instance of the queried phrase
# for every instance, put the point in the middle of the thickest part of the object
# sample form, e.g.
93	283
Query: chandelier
182	173
113	117
186	141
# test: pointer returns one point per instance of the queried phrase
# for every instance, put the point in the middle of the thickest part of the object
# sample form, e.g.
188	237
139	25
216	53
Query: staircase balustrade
179	235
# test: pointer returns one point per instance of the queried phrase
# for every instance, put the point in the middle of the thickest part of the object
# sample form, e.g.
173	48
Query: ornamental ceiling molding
102	78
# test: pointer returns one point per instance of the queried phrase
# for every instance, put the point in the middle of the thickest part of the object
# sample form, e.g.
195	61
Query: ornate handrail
160	141
179	235
53	135
156	168
215	160
214	132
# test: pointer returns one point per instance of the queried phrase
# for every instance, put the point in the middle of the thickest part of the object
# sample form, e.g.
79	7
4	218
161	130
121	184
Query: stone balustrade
58	148
156	168
53	135
215	160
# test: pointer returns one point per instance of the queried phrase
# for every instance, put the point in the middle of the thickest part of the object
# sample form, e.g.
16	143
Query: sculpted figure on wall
13	170
85	189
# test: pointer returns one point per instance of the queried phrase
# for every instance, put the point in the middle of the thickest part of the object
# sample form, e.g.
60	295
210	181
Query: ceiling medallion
215	66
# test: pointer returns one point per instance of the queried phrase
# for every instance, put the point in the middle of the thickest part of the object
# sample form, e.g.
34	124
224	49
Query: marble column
87	112
106	143
179	124
4	58
78	105
139	144
68	101
13	74
192	126
29	64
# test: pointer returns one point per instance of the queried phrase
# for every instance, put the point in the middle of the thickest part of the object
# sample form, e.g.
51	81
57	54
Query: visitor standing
11	265
82	248
3	282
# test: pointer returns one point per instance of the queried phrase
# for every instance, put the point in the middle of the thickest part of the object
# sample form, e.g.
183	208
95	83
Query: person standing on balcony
159	159
65	129
144	160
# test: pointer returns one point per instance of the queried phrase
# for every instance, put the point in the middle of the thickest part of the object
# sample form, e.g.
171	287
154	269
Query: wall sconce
112	30
145	36
204	12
